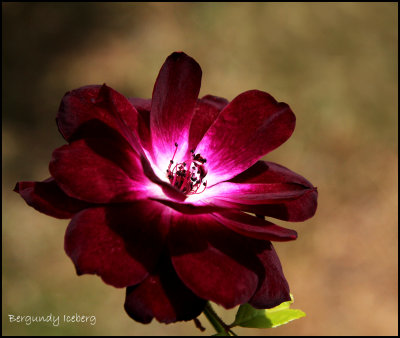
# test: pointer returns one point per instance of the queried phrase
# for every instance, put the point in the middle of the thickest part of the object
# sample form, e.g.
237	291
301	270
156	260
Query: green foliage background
335	64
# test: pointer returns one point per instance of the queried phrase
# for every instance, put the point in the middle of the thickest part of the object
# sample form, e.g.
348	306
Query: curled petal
254	227
213	261
257	193
295	210
100	103
174	97
270	172
250	126
113	242
48	198
273	289
162	295
99	171
268	189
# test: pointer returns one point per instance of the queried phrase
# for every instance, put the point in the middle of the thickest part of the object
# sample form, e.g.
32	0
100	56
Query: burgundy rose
160	193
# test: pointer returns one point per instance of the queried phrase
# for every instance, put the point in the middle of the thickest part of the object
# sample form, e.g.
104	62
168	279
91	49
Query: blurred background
335	64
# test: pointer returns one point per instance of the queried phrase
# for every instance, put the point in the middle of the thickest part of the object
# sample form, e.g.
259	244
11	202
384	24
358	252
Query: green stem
217	322
212	318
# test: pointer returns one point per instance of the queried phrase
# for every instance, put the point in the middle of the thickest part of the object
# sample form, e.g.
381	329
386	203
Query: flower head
162	193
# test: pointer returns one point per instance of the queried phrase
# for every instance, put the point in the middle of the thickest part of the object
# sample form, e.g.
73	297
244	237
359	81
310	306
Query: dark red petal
297	210
162	295
120	243
216	101
254	227
274	288
214	262
270	172
99	171
250	126
143	106
266	173
48	198
174	97
100	103
205	113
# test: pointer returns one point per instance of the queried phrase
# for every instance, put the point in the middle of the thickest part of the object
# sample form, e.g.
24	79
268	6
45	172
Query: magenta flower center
188	176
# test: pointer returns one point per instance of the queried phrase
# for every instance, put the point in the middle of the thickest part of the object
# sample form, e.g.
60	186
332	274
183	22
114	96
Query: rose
163	194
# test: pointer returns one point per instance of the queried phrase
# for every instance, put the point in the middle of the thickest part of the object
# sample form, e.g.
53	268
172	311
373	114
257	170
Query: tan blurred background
335	64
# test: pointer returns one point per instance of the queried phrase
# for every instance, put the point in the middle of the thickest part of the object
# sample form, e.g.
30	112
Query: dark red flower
162	194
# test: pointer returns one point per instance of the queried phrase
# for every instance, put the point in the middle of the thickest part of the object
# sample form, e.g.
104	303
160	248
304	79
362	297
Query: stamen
188	176
172	161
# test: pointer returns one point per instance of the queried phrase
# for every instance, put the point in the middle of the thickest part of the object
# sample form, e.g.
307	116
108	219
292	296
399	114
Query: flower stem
217	322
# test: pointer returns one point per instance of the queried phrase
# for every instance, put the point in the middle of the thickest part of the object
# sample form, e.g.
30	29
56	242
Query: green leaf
247	316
